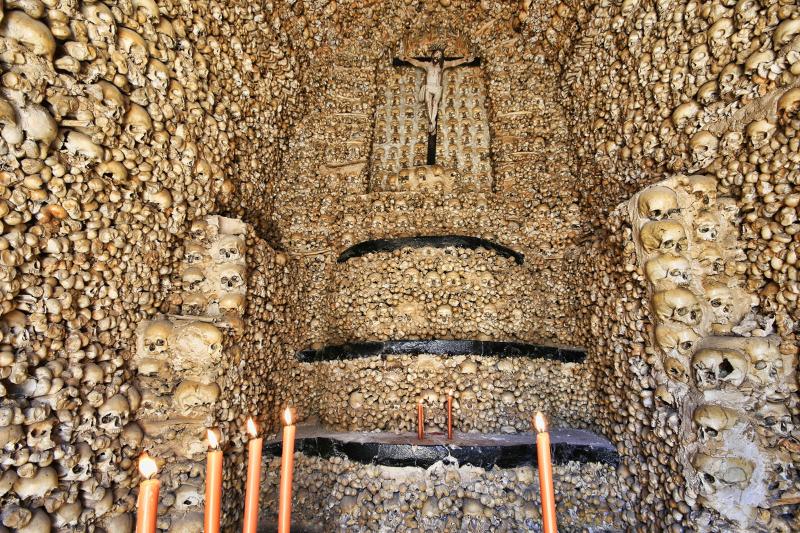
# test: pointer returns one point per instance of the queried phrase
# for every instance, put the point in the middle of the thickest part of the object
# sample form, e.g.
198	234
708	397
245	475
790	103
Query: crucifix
431	91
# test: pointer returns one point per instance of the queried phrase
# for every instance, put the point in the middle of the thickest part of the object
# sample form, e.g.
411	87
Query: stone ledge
444	241
482	450
358	350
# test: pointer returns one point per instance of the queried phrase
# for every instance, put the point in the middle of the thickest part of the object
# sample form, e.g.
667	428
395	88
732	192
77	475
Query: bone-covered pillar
178	360
718	364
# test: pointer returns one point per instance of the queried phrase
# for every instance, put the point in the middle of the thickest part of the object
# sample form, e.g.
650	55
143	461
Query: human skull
732	142
766	361
194	303
39	486
679	305
194	253
712	420
39	435
138	124
789	104
721	298
188	497
717	473
193	278
699	58
231	277
114	414
703	188
775	419
202	231
704	147
132	435
676	340
665	236
232	303
729	78
715	368
676	370
710	258
156	336
190	394
230	248
657	203
759	132
77	466
197	342
668	268
706	226
684	113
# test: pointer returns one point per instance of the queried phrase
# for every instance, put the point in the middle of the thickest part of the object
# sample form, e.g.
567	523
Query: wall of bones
177	181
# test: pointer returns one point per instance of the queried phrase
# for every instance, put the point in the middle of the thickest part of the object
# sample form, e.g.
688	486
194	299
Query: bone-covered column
177	361
719	365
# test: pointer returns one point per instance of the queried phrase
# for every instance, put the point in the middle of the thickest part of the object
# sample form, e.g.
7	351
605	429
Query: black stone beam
443	241
358	350
484	451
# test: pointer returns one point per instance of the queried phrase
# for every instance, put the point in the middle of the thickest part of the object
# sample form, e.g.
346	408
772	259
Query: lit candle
147	504
450	416
545	475
287	469
420	421
250	522
213	484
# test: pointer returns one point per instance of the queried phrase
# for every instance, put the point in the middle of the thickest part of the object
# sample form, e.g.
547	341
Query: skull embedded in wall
231	277
668	268
114	414
789	104
192	278
197	342
665	236
722	301
767	366
39	435
679	305
658	203
775	420
716	368
718	473
731	143
707	226
202	231
759	132
190	394
194	253
710	258
39	486
676	370
711	420
194	303
138	124
187	497
156	336
676	339
704	147
703	188
230	248
232	303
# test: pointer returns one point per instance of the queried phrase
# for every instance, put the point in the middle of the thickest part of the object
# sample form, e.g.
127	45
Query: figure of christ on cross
434	68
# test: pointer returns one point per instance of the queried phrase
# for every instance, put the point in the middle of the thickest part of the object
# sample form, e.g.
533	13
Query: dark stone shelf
444	241
358	350
481	450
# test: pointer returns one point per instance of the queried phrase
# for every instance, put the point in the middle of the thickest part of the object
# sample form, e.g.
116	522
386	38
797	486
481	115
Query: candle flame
539	422
251	428
212	438
147	466
287	416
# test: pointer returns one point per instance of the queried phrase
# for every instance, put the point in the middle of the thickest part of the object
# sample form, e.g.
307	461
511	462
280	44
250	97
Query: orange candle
213	485
250	522
420	421
450	416
545	475
147	504
287	470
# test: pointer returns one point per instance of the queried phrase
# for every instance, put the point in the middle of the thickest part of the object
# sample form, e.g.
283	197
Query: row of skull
720	375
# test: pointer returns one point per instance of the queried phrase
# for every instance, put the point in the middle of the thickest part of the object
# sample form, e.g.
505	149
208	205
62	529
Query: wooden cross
397	62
